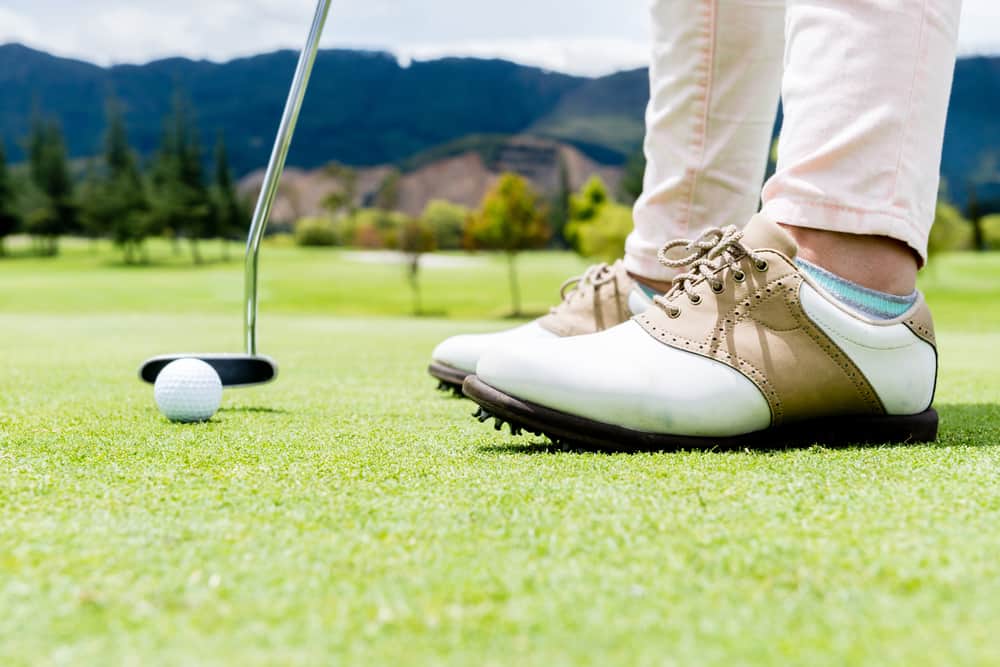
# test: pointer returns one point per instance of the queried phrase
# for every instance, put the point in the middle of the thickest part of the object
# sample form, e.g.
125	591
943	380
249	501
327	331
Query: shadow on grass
176	264
961	425
254	409
518	317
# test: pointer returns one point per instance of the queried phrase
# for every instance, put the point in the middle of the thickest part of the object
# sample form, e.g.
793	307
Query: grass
350	514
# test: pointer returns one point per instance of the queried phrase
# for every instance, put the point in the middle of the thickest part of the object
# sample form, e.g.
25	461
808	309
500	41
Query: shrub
316	232
446	221
950	231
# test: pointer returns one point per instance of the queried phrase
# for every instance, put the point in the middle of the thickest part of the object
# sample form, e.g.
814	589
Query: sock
875	304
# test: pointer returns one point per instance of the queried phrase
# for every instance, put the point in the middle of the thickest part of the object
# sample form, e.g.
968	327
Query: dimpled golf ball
188	390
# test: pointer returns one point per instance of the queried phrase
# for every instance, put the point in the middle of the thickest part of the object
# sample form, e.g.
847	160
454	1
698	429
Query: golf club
241	370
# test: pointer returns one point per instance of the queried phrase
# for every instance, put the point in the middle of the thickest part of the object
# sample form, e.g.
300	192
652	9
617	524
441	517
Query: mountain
972	138
461	173
604	117
362	108
365	109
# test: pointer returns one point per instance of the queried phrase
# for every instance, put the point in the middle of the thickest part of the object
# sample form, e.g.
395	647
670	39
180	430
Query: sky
608	36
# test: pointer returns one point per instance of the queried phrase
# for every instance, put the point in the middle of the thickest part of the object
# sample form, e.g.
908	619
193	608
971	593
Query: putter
243	370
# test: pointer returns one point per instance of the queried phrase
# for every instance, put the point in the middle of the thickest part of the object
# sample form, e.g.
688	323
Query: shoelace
596	275
707	255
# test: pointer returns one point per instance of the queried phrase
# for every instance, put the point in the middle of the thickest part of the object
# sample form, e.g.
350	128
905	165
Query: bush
316	232
603	237
950	231
597	224
991	231
446	221
372	228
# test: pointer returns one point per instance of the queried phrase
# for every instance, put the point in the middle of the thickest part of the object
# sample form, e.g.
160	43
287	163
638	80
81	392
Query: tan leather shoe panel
757	326
599	301
922	324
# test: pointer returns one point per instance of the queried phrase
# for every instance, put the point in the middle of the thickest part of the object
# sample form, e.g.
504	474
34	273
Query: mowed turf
350	514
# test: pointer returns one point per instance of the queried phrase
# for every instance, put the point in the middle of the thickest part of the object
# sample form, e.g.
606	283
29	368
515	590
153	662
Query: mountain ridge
365	109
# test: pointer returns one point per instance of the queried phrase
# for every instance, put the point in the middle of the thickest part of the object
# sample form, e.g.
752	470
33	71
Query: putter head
235	370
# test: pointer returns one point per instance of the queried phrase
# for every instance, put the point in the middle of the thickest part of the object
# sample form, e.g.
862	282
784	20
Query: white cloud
609	35
980	29
576	56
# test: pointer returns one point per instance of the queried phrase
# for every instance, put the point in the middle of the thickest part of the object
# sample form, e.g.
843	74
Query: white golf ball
188	390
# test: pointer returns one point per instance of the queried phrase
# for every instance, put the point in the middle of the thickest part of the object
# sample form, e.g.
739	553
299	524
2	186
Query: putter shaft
275	167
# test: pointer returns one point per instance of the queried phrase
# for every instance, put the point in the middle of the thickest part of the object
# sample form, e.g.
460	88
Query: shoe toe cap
624	377
464	351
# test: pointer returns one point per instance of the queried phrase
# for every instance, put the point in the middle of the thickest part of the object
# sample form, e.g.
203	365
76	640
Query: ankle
876	262
660	286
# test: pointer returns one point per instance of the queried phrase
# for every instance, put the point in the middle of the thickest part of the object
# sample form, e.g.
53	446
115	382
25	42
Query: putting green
350	514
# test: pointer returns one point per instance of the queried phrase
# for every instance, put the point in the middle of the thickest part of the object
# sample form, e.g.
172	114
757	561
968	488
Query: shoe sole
449	379
563	428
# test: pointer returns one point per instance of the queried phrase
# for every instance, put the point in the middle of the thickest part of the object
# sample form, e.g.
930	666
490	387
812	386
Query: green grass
350	514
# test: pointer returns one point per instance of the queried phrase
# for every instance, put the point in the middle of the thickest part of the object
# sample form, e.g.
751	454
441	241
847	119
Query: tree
114	201
342	200
54	212
9	219
231	217
598	226
632	180
447	221
387	195
415	237
584	207
509	219
983	197
559	209
950	230
181	204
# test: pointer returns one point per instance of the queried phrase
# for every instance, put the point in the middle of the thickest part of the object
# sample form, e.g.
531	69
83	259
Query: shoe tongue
762	233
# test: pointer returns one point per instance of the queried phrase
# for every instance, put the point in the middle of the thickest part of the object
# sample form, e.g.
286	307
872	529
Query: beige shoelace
596	276
708	254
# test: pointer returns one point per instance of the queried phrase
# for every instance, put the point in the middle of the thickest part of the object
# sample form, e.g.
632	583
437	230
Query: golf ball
188	390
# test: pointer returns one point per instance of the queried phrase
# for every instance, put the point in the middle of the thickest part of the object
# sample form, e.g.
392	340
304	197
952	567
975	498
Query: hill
362	108
365	109
461	173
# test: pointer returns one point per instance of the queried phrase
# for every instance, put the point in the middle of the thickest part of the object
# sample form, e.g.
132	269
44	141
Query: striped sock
879	305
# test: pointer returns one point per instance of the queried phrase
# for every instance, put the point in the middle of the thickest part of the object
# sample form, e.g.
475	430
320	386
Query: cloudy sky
608	35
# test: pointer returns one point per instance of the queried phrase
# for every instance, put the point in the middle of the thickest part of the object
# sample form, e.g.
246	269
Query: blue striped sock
879	305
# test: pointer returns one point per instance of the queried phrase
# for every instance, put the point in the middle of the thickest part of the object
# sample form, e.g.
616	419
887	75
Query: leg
753	346
714	83
865	98
714	92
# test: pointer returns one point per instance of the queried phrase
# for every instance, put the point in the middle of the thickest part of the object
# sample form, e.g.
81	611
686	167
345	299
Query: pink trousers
864	86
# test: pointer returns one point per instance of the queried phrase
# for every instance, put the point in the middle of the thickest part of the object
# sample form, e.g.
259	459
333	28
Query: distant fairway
351	514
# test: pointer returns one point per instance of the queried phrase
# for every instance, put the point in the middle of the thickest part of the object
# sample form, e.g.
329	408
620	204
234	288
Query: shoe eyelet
739	276
720	289
695	300
673	314
761	265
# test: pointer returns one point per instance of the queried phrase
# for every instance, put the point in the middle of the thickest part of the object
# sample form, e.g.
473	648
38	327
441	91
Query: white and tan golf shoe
604	296
745	351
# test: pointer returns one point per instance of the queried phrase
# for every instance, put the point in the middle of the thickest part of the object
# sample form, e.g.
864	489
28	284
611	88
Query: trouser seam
698	143
907	123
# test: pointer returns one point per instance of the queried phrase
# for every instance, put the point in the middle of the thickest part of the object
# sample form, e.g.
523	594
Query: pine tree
230	216
632	181
559	210
181	205
55	212
115	200
9	220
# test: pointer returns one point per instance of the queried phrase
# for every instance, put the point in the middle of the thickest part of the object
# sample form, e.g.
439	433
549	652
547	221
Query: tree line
119	197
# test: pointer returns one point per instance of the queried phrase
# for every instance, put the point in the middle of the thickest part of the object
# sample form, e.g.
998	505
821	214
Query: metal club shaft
275	166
